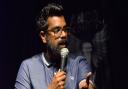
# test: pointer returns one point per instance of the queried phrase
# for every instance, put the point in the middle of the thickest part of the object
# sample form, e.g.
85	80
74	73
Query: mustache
63	41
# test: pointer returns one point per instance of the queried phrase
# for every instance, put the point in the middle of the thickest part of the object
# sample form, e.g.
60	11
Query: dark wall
19	41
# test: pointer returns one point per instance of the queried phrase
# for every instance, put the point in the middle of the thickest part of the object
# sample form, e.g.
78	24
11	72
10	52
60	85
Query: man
86	50
42	71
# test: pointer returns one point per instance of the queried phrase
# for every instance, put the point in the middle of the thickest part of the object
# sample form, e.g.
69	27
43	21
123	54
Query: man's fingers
88	77
83	84
86	83
60	73
61	83
60	76
89	74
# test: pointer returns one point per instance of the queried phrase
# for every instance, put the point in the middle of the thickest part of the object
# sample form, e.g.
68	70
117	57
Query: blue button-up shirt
36	72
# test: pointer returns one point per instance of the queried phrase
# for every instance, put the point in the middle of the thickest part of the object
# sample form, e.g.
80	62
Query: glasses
58	30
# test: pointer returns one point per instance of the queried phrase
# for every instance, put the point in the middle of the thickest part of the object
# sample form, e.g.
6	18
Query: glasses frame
58	30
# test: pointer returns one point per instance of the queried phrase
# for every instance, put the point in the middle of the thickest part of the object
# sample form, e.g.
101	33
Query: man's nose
63	34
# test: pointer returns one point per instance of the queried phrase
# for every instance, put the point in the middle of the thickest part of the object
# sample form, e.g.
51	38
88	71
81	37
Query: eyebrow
58	27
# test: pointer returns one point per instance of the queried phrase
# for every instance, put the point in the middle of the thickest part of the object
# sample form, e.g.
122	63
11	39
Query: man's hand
86	83
58	80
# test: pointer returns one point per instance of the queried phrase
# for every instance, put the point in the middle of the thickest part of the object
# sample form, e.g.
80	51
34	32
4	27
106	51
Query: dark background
19	41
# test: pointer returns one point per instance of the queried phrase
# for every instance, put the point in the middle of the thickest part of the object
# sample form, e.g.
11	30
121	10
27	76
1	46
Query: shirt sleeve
84	68
23	80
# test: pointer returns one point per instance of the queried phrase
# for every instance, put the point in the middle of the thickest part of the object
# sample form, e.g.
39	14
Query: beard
55	49
54	52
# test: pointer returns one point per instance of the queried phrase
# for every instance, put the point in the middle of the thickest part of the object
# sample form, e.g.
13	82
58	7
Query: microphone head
64	52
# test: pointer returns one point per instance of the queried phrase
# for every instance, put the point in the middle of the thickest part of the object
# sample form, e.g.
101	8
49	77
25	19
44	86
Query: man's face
56	37
87	47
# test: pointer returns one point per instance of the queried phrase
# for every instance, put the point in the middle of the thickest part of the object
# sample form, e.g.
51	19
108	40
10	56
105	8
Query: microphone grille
64	52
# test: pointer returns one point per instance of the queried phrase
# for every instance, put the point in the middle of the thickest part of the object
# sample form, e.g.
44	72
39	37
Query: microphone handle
63	63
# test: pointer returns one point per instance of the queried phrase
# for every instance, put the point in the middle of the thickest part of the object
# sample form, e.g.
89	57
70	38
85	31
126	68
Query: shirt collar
45	61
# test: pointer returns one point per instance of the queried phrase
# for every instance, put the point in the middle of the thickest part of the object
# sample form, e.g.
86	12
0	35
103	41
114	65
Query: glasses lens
58	30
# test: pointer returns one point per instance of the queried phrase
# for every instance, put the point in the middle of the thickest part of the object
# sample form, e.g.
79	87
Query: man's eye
56	30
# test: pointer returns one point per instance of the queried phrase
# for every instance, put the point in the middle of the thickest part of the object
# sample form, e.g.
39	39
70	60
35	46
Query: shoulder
77	58
34	60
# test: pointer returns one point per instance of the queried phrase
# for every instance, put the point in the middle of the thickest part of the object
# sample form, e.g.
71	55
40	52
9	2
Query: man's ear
43	36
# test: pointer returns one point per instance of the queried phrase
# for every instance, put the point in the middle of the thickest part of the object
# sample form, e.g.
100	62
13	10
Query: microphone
64	53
